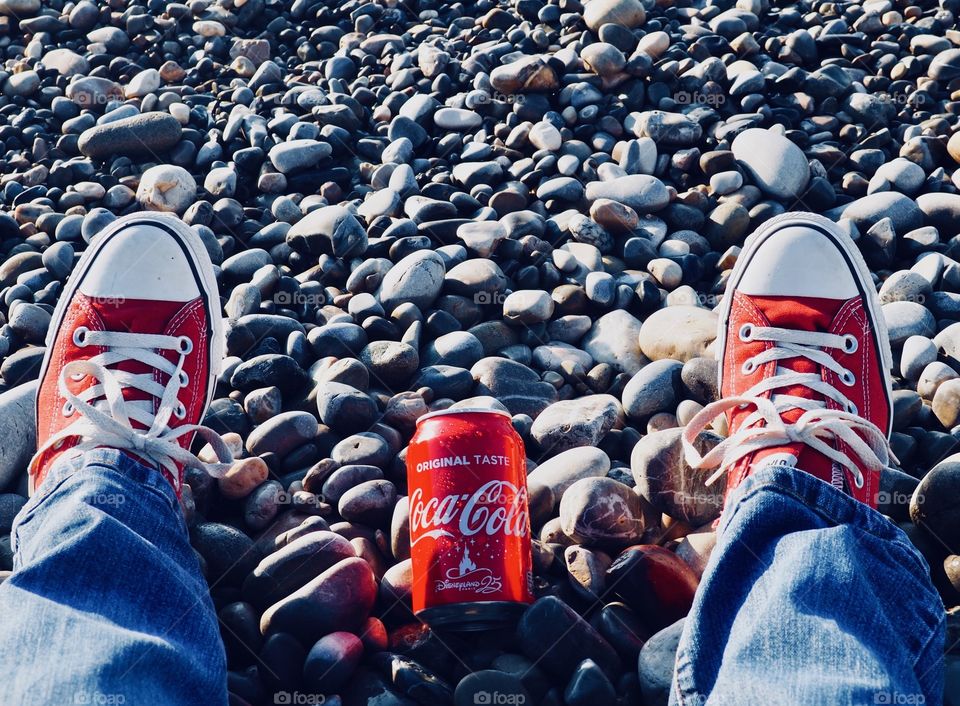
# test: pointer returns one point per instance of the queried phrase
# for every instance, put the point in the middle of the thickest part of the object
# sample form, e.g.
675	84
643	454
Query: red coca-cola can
469	521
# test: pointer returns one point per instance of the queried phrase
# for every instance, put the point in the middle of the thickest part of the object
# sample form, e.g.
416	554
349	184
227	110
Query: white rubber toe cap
142	261
797	261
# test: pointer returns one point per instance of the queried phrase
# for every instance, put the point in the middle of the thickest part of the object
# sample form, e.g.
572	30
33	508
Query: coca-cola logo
497	507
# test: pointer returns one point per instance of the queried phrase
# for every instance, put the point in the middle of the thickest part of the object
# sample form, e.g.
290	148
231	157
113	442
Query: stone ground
529	204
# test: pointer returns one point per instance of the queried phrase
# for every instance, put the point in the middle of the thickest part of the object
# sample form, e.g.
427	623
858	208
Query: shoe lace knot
817	425
105	418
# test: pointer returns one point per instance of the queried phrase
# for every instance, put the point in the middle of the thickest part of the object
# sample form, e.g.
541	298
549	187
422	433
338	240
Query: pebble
905	319
457	119
554	636
626	13
601	512
653	389
332	229
518	387
666	481
932	506
654	582
340	598
614	339
775	163
17	422
331	661
480	685
656	663
166	188
528	206
294	564
917	353
282	433
641	192
529	306
298	154
551	478
678	333
417	279
148	134
582	422
243	476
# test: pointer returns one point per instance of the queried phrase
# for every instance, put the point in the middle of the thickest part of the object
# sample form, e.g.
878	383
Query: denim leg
810	598
106	603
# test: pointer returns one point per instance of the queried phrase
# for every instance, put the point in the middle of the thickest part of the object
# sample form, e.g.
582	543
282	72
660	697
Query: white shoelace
764	428
104	416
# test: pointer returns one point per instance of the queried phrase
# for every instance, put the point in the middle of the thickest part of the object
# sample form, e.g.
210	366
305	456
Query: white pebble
668	273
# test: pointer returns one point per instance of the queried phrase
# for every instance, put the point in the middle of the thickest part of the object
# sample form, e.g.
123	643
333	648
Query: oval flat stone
340	598
417	278
775	163
641	192
654	582
678	332
293	565
555	637
666	481
581	422
282	433
132	137
601	512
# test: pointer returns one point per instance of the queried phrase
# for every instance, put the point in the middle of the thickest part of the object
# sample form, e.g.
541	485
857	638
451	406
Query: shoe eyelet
848	378
184	379
852	408
748	367
68	409
77	377
850	344
858	480
80	336
180	412
745	332
185	345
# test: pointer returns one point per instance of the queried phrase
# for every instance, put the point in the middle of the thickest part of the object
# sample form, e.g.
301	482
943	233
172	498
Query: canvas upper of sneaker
804	375
131	350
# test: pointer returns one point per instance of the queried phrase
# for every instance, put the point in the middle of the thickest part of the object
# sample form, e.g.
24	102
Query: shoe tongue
137	316
799	314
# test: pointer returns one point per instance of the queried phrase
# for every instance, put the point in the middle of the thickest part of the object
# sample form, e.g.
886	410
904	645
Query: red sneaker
805	361
132	350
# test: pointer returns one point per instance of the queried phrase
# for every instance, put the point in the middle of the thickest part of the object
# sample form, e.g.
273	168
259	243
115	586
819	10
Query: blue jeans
106	603
810	598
